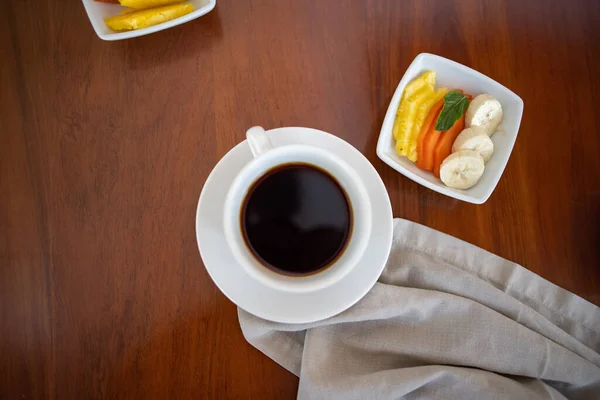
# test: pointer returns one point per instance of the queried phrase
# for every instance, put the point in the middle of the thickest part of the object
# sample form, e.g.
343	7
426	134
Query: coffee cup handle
258	141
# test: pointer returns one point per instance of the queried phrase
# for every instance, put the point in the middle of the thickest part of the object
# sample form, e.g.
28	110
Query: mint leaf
455	105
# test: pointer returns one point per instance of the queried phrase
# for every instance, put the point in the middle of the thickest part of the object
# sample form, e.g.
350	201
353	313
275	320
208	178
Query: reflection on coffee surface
296	219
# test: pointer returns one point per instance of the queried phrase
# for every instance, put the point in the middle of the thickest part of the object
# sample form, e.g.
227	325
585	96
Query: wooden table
105	147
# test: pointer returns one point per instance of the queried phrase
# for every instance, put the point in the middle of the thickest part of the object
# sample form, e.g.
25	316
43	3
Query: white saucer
261	300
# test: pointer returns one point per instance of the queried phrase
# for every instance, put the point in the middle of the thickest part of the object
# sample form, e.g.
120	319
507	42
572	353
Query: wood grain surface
105	146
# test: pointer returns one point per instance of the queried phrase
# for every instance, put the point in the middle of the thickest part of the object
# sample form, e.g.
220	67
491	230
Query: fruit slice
443	147
413	90
462	170
143	4
427	79
145	18
475	138
127	11
407	136
423	108
428	138
484	111
407	111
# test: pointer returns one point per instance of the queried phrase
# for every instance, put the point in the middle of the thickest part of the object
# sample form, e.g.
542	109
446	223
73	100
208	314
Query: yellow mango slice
145	18
142	4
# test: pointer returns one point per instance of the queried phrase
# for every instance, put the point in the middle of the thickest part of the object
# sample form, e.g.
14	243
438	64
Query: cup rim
357	241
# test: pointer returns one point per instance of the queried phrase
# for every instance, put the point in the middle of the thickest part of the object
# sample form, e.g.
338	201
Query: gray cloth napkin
446	320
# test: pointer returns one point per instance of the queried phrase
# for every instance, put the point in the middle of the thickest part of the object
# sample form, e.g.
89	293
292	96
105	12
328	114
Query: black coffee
296	219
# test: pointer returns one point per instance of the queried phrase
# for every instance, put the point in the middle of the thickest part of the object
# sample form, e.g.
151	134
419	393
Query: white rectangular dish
97	11
453	75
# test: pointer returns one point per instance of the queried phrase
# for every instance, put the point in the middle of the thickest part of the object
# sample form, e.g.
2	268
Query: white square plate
97	11
453	75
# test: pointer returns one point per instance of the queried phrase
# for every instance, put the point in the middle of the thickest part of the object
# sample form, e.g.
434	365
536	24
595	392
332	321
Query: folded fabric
446	320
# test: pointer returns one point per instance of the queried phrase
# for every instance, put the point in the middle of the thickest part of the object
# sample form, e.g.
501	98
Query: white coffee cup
267	157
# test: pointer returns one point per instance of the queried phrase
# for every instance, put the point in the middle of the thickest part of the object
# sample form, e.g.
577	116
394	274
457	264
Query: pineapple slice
406	112
423	108
427	79
145	18
417	99
142	4
408	119
413	95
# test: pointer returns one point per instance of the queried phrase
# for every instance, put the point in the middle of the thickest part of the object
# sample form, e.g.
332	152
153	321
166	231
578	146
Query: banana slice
484	111
475	138
462	170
